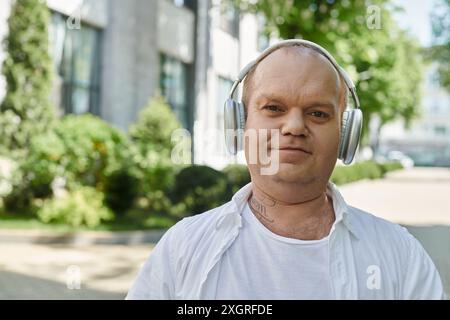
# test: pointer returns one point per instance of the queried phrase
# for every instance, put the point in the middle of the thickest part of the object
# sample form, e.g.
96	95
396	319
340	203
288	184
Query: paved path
419	196
35	271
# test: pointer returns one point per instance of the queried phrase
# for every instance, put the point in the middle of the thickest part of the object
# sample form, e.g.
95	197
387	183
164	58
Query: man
289	235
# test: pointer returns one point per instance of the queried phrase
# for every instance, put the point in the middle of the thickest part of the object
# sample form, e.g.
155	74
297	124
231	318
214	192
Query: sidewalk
419	196
34	271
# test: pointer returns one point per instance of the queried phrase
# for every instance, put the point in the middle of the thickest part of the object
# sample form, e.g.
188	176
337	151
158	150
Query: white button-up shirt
370	258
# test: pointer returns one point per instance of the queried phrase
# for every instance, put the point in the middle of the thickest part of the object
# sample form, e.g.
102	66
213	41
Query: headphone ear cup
343	134
234	124
241	115
350	134
240	120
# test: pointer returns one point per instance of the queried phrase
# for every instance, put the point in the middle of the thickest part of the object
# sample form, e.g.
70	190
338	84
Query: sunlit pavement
417	198
30	271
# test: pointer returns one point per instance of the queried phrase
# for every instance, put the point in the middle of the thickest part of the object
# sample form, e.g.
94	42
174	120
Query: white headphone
234	113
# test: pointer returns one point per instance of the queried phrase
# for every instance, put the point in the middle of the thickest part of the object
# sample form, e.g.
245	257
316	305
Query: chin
289	172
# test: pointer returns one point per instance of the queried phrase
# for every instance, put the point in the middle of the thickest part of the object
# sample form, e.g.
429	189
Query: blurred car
399	156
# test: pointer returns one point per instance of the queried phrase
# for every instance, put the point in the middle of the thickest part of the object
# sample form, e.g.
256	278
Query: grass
29	222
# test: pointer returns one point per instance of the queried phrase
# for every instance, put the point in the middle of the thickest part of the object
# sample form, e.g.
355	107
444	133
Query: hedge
362	170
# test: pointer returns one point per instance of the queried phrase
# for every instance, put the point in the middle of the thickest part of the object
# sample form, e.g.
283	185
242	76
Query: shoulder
194	232
174	260
397	246
378	230
378	239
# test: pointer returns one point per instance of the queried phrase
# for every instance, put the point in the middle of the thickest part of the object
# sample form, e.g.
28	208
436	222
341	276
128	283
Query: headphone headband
292	42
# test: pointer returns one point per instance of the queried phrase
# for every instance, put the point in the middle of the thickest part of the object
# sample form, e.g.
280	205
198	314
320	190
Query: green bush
93	149
151	155
200	188
391	166
237	176
23	190
152	134
121	190
82	148
82	206
12	192
362	170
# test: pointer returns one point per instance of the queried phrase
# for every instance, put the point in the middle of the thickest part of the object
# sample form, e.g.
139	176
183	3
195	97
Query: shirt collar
341	209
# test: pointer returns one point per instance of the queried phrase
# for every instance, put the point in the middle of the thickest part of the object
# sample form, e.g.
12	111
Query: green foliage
121	190
7	168
152	134
82	206
390	166
16	196
26	109
237	176
362	170
200	188
320	21
81	149
151	155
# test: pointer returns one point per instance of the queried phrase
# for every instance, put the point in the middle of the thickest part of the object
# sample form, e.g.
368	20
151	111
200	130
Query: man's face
296	91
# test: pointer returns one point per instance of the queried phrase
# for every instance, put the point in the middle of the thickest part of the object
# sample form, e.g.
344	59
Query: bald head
289	61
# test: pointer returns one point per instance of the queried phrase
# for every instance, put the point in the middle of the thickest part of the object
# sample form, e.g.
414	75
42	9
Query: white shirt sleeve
421	278
155	280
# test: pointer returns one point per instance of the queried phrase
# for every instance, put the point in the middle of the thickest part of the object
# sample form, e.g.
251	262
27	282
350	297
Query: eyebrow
317	104
320	105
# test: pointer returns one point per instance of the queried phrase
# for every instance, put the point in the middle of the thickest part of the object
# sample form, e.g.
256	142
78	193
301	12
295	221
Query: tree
26	109
387	66
383	61
151	151
152	133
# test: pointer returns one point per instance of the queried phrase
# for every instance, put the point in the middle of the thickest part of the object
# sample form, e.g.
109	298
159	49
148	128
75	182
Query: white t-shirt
263	265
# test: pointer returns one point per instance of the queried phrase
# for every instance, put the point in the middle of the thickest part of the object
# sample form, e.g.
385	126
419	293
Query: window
178	3
440	130
173	84
223	90
229	20
76	54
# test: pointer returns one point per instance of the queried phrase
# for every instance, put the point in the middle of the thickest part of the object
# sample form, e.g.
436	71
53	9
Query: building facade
111	56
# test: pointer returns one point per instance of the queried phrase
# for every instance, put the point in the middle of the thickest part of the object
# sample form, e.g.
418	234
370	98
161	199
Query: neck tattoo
259	209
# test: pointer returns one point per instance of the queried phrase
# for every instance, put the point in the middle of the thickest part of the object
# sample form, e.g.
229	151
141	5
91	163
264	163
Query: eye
320	114
273	108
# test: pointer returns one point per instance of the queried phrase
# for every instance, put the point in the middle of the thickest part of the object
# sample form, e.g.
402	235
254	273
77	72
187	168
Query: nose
294	124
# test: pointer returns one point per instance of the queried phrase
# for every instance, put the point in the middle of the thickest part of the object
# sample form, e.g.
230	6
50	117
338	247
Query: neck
308	219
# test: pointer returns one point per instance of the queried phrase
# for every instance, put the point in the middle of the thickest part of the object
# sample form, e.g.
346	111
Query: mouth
294	149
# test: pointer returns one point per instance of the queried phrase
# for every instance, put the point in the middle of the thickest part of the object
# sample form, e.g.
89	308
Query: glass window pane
80	100
77	59
173	86
83	56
